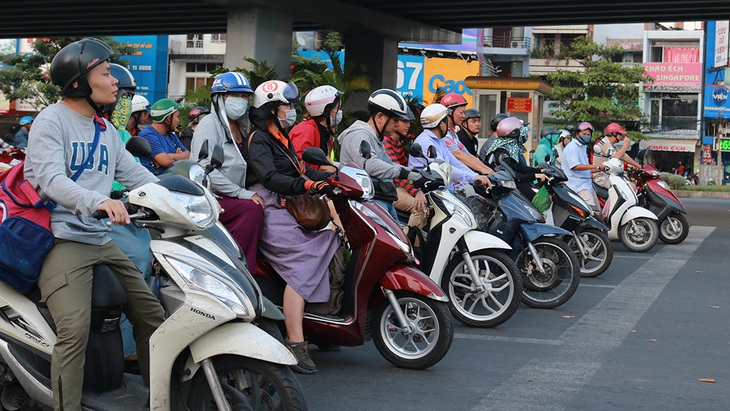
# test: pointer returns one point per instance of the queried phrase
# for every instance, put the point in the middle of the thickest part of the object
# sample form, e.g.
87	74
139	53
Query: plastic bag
541	201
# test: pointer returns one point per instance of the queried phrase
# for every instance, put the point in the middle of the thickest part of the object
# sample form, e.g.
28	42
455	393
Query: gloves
418	182
319	187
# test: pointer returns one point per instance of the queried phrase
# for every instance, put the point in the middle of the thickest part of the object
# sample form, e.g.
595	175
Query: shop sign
519	105
668	145
674	74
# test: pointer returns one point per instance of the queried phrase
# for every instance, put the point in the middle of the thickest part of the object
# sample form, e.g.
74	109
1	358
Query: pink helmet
509	127
453	100
615	128
585	126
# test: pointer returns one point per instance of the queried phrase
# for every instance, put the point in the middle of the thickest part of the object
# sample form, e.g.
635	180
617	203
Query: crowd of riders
262	143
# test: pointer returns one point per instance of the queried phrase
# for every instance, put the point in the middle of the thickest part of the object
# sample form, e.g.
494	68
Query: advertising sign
721	42
676	77
716	92
448	75
658	144
410	76
148	64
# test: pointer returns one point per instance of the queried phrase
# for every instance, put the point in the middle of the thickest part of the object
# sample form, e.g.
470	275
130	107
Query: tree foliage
602	92
27	76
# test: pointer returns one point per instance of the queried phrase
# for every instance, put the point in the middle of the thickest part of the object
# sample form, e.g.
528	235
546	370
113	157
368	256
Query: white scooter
483	284
634	225
207	354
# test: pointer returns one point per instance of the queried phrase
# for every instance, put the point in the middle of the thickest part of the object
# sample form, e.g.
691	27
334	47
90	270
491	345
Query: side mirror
416	150
315	155
217	159
139	147
596	149
432	152
365	150
547	158
203	153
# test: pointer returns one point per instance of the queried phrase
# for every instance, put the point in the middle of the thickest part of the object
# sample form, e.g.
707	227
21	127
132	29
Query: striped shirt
394	149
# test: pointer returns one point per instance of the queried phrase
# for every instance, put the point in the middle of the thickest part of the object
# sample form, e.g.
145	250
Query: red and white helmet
318	98
275	91
453	100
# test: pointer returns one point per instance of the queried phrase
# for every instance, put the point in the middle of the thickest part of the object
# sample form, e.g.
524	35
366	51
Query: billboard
148	65
716	92
448	75
676	77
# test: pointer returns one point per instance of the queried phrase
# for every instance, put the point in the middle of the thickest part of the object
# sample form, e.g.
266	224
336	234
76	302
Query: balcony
196	48
567	29
543	66
507	41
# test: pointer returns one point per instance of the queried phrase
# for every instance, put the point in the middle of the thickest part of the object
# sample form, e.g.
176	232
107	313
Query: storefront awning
666	144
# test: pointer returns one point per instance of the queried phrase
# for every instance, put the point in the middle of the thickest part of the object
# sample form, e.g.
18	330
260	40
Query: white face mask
291	117
236	107
337	119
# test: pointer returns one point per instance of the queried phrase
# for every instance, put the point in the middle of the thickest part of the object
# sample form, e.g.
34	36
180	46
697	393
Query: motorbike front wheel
423	341
639	235
502	283
558	282
248	384
598	252
670	235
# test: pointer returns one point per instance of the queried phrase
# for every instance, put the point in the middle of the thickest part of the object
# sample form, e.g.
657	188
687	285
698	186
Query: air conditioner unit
515	44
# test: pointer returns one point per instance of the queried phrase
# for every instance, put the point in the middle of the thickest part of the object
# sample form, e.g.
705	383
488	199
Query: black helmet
547	131
472	113
121	73
496	119
196	112
74	62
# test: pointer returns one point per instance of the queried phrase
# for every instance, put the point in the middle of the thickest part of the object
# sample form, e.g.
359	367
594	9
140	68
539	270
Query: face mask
291	117
236	107
337	119
584	139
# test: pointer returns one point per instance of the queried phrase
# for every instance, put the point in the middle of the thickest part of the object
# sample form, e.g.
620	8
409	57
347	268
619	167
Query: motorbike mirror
547	158
217	159
365	150
596	149
432	152
203	153
315	155
139	147
416	150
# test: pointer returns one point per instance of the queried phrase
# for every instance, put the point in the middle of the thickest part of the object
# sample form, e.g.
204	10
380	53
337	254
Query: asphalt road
638	337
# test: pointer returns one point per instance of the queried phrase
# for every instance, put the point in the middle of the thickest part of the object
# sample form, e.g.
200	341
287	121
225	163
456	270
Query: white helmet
433	114
275	91
388	102
139	103
318	98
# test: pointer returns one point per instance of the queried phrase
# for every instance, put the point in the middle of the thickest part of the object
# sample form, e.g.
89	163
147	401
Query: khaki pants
602	179
65	284
589	196
407	203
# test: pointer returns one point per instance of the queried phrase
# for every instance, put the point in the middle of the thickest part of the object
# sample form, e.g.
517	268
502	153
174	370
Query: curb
702	194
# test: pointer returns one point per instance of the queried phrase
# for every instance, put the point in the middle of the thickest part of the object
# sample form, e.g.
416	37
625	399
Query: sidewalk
702	194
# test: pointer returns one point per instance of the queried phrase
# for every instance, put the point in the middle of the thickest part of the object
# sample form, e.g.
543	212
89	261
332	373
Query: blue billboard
716	91
148	64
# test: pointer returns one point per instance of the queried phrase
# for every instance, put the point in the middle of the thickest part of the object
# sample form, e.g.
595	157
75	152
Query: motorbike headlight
448	173
196	173
362	178
663	184
379	221
508	184
455	205
202	280
198	208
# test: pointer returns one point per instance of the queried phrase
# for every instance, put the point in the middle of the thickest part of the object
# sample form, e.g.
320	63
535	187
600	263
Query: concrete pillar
379	55
259	33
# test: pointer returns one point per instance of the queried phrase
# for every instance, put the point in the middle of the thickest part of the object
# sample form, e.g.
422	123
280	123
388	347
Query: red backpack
25	230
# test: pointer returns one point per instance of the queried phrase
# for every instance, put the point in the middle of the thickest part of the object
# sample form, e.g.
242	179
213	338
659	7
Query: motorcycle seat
600	191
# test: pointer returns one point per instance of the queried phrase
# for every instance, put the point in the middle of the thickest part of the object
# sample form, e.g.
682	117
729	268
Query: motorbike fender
531	232
592	223
636	212
403	277
271	311
241	338
479	240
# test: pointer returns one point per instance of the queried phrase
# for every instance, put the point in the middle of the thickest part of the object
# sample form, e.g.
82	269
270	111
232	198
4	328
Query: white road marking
481	337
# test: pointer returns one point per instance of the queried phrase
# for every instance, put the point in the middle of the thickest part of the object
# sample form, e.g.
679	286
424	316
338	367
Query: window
195	41
201	67
674	112
194	83
218	38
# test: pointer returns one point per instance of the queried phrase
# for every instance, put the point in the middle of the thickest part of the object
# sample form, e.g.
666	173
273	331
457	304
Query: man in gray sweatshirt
61	141
385	107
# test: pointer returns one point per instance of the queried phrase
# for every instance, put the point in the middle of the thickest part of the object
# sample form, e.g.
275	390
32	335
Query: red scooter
385	297
654	194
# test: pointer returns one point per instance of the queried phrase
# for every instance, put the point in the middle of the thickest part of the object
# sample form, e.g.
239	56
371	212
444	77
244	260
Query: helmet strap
380	131
97	109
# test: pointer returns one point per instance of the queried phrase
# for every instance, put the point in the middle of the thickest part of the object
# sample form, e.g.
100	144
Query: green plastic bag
541	201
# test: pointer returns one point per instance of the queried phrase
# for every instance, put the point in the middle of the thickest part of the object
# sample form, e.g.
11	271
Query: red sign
519	105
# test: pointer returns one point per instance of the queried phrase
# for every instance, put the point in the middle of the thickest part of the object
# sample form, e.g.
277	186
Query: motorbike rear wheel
599	252
670	236
560	280
642	238
430	336
248	384
502	288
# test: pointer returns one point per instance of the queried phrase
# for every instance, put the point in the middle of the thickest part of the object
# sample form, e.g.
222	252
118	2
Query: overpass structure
262	29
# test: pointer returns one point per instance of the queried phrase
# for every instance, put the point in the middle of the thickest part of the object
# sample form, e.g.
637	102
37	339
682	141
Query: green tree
602	92
27	77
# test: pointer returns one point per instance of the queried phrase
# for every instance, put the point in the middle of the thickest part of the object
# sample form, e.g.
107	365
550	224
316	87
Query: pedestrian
20	140
166	146
680	169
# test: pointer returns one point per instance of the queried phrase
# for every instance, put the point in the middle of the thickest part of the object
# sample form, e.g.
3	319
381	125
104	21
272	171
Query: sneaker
301	352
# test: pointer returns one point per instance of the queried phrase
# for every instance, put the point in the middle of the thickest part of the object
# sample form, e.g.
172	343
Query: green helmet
163	108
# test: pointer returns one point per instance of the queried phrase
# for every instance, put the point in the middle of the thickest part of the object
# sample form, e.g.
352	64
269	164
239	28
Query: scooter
207	353
385	297
654	194
627	220
569	211
549	267
483	284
